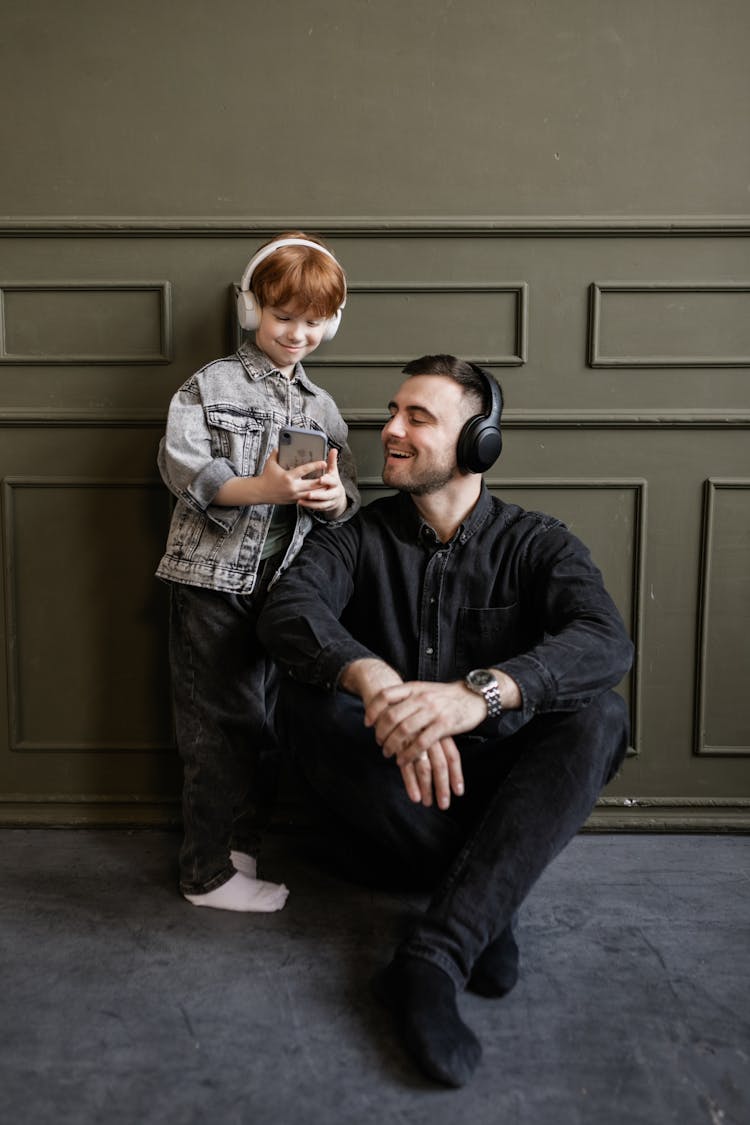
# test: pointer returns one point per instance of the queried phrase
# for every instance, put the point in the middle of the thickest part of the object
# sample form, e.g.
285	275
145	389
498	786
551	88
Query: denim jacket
223	423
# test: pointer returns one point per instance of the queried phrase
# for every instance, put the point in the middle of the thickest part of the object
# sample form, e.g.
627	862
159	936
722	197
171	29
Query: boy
239	520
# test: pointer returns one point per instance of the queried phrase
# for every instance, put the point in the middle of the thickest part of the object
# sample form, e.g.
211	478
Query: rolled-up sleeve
186	461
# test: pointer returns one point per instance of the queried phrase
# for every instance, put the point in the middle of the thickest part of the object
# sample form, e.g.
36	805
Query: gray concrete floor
122	1003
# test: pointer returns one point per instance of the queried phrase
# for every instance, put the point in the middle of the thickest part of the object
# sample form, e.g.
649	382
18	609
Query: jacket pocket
236	436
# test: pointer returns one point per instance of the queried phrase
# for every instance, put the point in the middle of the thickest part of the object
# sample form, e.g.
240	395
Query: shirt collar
415	525
258	366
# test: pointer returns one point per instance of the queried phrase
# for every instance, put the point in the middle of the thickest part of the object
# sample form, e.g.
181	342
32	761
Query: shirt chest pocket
487	636
236	436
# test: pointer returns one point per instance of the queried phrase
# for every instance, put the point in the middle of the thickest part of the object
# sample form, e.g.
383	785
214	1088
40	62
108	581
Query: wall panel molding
590	420
373	419
611	814
637	577
18	739
515	358
43	293
670	814
370	226
735	613
599	291
88	811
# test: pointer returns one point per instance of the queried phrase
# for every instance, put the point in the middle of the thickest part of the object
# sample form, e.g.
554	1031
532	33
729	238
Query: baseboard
637	814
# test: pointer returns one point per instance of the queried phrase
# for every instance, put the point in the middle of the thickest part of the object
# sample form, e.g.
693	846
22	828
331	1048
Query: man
450	660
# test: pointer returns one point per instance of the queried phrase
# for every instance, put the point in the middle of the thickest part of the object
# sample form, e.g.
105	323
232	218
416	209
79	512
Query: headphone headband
248	310
272	247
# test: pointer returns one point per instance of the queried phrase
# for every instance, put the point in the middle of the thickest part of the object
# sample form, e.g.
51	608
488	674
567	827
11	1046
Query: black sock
496	971
423	999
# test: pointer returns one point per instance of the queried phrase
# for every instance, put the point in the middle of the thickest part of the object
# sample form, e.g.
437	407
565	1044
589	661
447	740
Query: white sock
244	863
241	893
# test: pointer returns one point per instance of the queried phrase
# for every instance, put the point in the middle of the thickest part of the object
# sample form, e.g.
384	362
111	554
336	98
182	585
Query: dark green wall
559	190
374	107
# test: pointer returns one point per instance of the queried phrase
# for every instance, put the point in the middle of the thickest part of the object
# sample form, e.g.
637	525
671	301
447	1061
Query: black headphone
481	441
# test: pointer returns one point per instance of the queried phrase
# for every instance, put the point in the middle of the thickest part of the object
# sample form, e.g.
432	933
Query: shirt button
429	651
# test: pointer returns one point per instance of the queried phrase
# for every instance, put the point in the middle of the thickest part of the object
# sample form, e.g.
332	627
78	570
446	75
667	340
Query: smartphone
298	446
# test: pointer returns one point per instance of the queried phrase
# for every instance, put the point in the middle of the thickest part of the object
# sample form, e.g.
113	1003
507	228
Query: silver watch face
480	678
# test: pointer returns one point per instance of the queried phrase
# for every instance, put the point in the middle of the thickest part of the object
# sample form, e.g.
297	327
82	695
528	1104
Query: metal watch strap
482	682
494	703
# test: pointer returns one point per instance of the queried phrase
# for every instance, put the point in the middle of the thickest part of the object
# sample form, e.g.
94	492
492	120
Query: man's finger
411	784
455	769
393	694
423	771
440	776
398	727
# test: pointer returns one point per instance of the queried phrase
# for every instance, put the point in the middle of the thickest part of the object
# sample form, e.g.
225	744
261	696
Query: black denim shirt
512	589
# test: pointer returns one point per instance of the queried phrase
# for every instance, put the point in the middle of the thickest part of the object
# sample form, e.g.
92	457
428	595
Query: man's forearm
368	676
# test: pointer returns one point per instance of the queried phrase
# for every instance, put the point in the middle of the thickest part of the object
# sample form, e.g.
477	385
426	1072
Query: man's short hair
300	277
462	372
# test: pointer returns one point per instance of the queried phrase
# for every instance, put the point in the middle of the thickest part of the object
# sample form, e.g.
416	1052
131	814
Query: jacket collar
258	366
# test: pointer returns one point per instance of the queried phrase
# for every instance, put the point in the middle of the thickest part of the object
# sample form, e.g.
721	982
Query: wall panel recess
723	699
74	322
84	616
668	324
610	517
385	323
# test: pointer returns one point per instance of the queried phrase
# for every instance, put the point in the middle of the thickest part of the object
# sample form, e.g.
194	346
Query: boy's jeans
223	687
526	797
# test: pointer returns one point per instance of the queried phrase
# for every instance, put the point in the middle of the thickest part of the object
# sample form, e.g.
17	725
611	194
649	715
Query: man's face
420	438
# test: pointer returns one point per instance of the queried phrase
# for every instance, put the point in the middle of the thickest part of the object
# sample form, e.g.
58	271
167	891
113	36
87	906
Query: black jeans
526	797
223	688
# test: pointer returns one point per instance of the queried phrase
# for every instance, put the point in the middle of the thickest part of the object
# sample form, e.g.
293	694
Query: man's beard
431	481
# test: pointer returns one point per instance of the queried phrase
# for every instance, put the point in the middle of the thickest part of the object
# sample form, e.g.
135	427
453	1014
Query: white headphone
248	309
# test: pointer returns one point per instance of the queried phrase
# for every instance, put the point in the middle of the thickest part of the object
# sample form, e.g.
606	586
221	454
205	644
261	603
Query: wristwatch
484	683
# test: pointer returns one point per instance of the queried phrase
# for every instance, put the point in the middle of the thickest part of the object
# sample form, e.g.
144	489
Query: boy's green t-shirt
280	530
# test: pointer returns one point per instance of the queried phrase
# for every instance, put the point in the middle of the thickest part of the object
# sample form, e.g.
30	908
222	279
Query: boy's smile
287	335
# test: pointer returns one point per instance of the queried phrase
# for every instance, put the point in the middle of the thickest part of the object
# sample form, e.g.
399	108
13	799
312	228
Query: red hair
300	277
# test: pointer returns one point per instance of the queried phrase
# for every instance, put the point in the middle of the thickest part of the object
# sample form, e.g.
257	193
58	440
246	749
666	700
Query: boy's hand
324	494
327	496
287	486
273	486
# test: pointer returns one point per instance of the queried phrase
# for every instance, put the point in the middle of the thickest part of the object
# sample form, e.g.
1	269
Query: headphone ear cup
248	313
331	327
479	444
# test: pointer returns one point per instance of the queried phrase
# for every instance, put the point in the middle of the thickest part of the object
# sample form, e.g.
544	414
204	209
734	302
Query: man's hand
328	496
438	768
410	718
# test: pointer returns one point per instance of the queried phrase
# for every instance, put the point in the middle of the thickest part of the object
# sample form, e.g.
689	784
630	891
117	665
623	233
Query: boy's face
287	334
